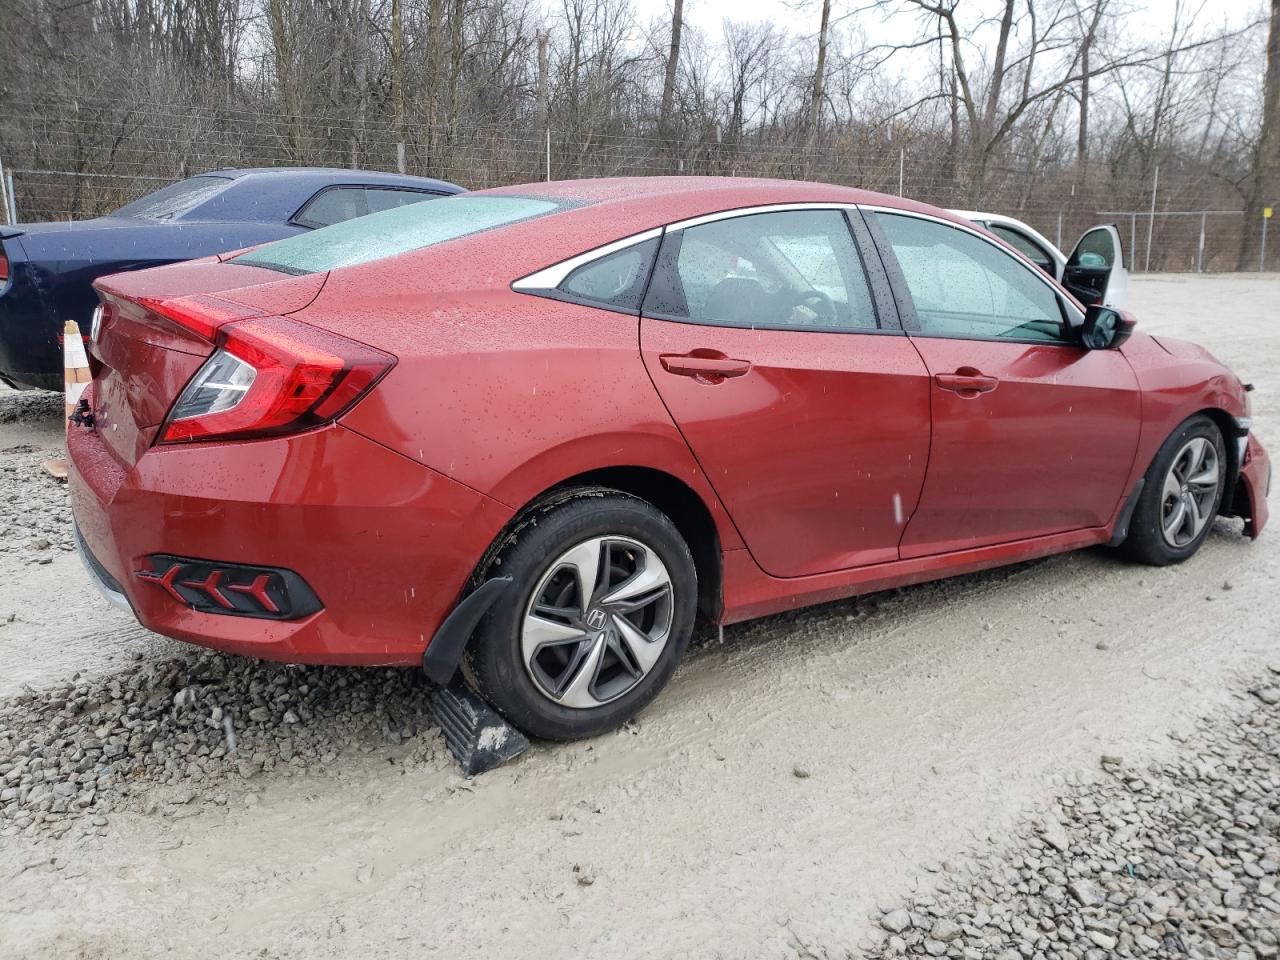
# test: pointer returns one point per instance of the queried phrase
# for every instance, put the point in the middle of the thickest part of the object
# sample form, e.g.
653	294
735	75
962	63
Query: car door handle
713	369
966	382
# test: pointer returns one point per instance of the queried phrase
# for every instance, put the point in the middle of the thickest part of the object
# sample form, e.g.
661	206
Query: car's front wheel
603	602
1181	496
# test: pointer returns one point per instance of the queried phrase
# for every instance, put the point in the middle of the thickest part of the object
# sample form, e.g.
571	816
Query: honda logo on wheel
596	619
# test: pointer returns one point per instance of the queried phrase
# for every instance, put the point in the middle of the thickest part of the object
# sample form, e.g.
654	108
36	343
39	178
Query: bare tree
819	77
670	71
1264	180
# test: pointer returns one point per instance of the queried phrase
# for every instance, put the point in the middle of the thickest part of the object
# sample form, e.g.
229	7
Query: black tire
495	664
1147	542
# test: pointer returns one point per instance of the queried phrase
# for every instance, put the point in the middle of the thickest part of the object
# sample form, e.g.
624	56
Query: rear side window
175	200
616	280
382	198
337	204
333	205
393	232
786	270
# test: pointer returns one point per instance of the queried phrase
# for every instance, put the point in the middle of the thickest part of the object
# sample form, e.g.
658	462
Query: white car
1095	272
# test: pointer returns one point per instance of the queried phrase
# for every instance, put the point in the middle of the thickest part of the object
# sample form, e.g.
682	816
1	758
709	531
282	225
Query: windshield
175	200
392	232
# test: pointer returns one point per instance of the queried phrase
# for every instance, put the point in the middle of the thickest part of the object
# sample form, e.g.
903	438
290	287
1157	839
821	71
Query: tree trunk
361	80
1264	183
1082	131
819	77
673	67
397	68
540	116
282	47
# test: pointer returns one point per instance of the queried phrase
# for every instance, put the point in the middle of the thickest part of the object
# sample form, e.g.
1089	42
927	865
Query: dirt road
792	780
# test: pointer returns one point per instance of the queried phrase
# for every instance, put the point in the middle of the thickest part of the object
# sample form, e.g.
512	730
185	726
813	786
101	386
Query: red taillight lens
202	315
4	268
272	375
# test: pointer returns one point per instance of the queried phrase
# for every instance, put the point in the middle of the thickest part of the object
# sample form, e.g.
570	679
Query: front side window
965	287
794	269
393	232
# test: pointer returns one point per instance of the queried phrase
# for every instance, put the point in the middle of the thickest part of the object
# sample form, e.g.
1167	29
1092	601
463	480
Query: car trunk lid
158	328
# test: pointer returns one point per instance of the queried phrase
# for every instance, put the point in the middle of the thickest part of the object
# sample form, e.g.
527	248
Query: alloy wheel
1190	492
597	621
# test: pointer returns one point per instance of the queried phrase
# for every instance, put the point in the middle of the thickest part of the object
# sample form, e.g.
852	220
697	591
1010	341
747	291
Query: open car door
1095	271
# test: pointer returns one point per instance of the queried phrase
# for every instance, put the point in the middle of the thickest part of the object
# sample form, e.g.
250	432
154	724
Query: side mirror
1104	328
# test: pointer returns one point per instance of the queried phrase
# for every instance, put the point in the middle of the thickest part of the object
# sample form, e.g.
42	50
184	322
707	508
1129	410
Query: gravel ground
193	730
34	521
915	771
1172	858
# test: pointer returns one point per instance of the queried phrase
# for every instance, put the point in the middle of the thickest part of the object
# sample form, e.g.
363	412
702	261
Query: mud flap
475	733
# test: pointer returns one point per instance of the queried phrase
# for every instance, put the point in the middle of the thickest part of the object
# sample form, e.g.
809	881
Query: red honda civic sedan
538	431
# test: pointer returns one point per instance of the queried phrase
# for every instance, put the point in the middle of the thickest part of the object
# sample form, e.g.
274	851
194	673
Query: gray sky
708	15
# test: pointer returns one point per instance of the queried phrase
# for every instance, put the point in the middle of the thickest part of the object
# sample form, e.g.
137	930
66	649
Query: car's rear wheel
1181	496
603	603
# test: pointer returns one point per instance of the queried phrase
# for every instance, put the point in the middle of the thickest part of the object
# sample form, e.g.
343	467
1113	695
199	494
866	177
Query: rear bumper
1254	488
386	544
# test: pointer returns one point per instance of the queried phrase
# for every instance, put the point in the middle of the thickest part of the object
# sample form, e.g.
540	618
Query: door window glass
795	269
963	286
1024	245
1095	249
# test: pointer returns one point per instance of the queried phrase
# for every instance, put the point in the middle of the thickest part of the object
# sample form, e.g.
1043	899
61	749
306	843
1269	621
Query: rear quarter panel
510	393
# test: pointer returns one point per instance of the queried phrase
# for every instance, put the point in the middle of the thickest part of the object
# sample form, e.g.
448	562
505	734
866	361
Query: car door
1095	271
1032	434
804	403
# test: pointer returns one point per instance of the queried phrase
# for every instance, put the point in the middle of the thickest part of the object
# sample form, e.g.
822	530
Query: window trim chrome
550	277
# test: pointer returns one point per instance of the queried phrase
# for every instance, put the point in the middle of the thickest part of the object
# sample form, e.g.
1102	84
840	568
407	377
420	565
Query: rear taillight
4	267
273	375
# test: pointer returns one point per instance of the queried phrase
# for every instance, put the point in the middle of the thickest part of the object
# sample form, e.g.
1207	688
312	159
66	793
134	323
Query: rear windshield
175	200
392	232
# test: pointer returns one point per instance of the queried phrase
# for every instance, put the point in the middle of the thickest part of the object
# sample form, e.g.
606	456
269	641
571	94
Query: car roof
619	206
275	194
337	175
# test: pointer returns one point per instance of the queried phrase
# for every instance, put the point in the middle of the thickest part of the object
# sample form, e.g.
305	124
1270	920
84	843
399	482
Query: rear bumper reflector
234	589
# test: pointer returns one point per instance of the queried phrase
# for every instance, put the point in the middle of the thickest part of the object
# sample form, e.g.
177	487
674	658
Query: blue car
47	269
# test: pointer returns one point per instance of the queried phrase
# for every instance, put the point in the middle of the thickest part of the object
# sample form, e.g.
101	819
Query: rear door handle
966	383
709	368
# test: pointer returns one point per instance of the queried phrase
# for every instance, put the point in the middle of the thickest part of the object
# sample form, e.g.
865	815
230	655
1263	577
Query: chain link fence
83	163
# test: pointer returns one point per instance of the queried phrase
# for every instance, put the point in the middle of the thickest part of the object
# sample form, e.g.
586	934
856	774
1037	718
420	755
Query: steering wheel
817	301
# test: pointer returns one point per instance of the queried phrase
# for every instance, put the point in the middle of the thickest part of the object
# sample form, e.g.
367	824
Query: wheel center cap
597	618
1185	489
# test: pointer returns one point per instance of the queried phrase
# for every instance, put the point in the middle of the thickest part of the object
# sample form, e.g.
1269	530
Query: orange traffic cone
75	363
